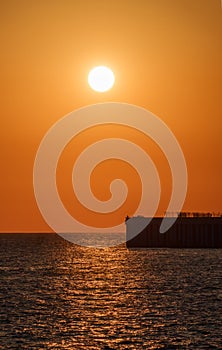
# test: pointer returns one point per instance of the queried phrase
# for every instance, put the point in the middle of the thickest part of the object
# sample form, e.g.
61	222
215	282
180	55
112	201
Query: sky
166	56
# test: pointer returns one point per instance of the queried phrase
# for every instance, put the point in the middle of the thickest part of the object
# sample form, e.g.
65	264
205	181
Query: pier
194	231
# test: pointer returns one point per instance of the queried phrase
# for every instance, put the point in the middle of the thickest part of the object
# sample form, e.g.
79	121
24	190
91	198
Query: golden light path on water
56	295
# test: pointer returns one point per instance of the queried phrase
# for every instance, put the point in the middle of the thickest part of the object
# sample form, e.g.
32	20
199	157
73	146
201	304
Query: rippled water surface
55	295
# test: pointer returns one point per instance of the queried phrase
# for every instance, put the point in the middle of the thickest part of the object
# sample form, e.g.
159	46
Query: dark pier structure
189	231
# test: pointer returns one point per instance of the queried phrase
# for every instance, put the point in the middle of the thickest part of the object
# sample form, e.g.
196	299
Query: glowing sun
101	78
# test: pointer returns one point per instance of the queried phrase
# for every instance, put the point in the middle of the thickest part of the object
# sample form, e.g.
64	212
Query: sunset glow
166	57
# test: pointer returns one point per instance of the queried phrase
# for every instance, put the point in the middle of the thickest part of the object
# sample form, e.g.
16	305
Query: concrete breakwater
186	232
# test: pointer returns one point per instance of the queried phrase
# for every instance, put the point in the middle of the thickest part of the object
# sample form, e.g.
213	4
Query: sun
101	78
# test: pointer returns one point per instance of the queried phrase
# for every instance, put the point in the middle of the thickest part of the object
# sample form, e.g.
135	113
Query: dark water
55	295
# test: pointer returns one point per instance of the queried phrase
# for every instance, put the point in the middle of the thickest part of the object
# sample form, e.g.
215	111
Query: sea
58	295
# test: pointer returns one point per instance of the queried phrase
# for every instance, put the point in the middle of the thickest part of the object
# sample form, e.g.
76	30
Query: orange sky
166	56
